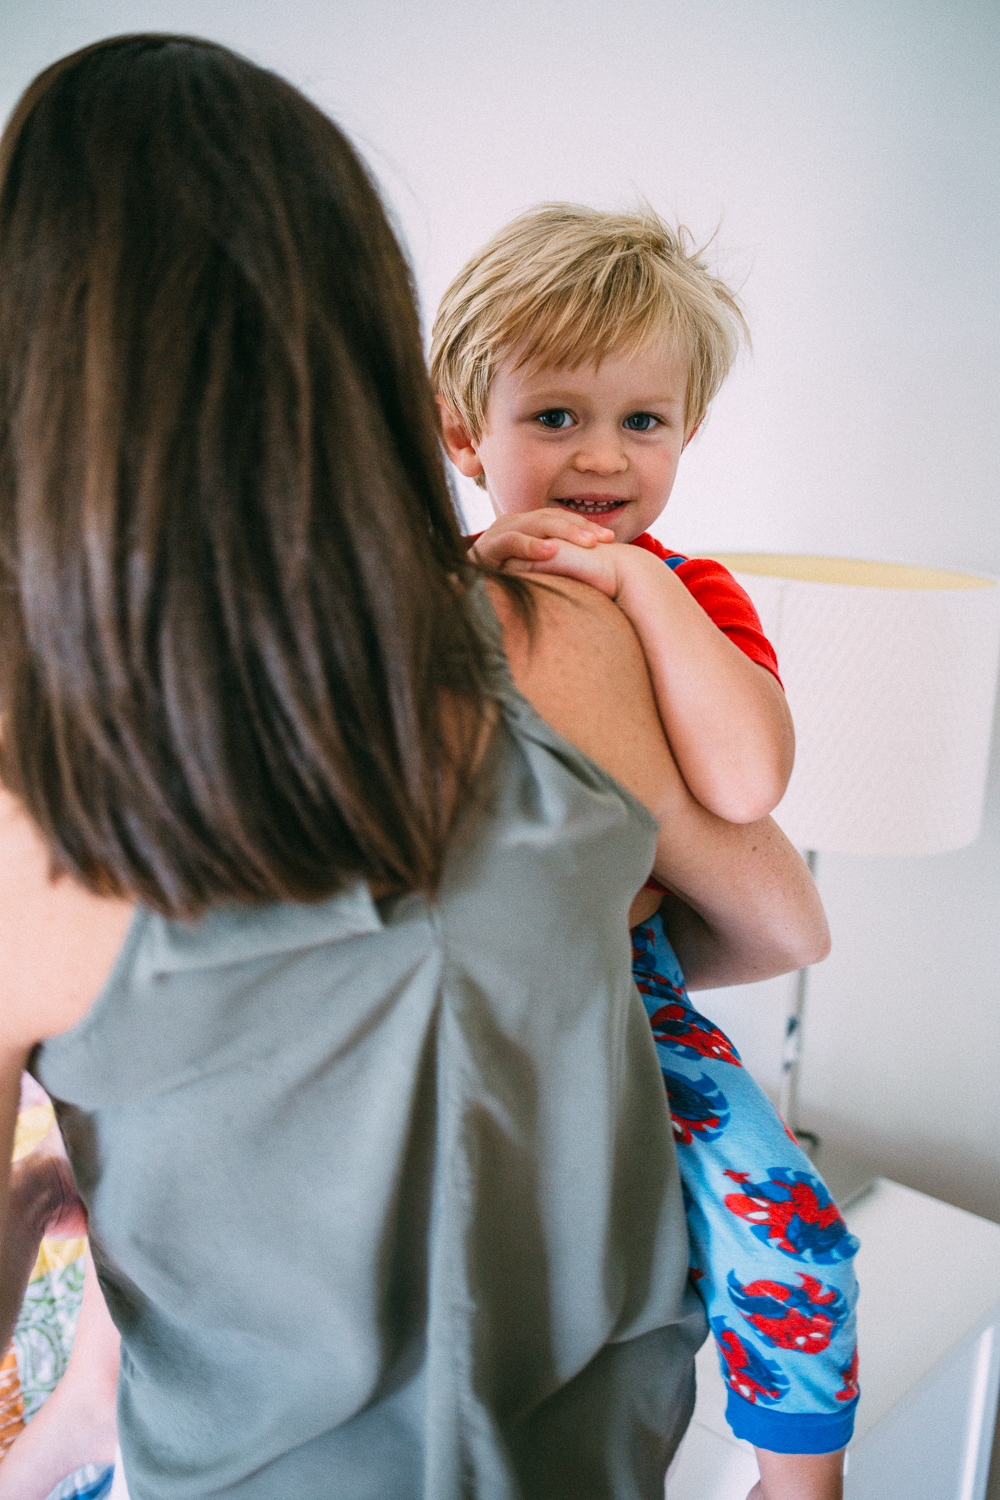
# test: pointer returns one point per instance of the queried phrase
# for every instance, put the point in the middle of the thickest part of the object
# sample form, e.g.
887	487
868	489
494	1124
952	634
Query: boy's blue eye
556	419
640	421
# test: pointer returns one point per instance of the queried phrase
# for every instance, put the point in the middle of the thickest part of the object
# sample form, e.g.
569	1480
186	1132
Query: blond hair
562	285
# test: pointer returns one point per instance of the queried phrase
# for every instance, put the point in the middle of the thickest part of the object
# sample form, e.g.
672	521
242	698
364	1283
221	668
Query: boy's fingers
540	546
513	546
553	522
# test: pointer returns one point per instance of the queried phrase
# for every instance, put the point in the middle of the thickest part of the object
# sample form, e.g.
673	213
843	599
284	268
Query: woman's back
383	1194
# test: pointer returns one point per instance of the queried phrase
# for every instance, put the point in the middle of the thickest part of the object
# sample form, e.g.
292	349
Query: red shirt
722	599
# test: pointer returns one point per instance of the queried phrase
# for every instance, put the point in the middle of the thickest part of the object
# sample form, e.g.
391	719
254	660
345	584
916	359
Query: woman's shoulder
575	632
580	665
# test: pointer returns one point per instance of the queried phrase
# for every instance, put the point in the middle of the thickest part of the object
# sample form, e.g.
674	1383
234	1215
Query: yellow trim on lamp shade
847	570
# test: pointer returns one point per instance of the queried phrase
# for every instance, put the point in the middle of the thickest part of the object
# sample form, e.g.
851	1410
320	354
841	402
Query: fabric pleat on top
383	1195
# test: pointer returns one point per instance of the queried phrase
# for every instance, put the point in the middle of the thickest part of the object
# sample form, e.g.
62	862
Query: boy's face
603	443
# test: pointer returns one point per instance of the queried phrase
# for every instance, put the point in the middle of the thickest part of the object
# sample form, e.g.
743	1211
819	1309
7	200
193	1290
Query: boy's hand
606	567
534	536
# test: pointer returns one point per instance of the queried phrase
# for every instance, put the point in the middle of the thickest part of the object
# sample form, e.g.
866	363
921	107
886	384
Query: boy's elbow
745	777
747	800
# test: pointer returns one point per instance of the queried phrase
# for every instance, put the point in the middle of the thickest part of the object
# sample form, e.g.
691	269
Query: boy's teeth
592	507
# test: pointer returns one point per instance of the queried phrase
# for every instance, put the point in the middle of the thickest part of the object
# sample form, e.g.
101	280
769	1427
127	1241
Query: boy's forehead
662	365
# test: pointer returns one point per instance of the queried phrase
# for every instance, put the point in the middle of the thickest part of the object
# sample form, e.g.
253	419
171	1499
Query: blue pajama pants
770	1254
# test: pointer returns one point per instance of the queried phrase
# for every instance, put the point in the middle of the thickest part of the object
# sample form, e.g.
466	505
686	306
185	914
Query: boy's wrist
640	571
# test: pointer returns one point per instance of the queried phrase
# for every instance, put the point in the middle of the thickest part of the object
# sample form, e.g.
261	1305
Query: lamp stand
791	1057
847	1176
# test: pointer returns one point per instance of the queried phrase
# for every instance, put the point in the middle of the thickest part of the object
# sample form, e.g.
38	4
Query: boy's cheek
506	500
516	479
513	492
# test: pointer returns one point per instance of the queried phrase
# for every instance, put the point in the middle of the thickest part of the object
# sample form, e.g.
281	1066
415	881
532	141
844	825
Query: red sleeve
730	606
650	544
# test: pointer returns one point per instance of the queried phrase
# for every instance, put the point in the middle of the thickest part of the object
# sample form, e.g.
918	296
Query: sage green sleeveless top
382	1194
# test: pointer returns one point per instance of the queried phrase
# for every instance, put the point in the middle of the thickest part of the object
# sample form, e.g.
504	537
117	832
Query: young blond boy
574	357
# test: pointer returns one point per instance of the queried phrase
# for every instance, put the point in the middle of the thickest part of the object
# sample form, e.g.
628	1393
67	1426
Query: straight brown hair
232	628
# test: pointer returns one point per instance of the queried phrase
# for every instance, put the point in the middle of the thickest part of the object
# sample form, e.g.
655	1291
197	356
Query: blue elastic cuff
788	1432
92	1482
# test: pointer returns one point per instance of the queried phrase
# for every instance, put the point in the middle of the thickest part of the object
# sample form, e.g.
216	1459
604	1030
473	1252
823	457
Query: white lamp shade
891	677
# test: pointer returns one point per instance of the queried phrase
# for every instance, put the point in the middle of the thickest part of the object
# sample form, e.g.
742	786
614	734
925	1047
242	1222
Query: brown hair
564	284
231	629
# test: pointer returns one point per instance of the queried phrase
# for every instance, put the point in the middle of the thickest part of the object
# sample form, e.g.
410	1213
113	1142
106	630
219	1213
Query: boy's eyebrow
556	393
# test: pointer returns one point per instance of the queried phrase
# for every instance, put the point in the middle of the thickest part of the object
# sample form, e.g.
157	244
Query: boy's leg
799	1476
771	1255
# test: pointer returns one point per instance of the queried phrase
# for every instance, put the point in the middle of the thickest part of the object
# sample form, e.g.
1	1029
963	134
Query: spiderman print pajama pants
770	1254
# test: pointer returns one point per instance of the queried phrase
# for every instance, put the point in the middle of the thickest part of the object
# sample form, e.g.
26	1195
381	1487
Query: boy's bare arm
725	716
534	536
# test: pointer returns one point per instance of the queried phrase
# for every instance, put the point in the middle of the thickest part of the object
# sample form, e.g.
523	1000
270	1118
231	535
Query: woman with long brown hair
314	923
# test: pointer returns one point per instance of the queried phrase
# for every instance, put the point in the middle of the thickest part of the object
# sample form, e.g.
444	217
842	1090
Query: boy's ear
457	441
691	434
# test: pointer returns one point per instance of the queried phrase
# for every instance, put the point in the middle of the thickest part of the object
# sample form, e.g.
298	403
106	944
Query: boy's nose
600	453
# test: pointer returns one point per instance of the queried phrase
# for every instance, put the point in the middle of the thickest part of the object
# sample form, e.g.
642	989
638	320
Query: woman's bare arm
744	906
13	1272
59	944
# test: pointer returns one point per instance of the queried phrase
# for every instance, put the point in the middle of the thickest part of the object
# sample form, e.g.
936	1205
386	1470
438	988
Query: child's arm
725	716
534	536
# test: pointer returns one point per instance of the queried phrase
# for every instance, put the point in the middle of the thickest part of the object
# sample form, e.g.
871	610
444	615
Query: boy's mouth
593	505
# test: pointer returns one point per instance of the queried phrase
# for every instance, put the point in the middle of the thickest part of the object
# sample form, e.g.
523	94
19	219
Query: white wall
848	150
